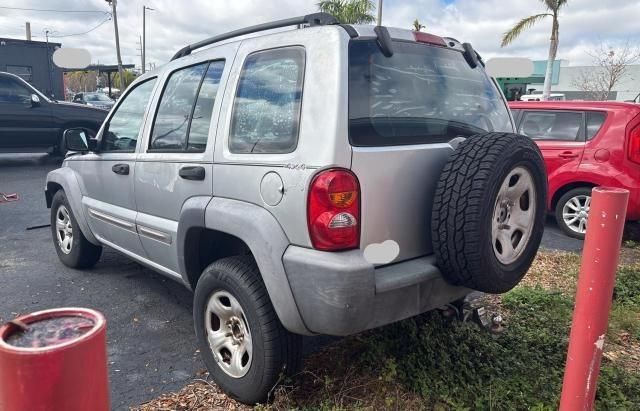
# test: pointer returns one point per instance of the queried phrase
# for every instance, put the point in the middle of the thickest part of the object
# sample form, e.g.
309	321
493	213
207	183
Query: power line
54	10
85	32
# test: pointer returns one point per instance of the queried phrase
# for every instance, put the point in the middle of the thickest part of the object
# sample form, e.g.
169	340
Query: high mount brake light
429	38
333	210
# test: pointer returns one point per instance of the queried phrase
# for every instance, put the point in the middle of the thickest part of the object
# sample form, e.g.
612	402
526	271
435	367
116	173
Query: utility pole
50	90
28	28
115	27
144	35
141	53
379	12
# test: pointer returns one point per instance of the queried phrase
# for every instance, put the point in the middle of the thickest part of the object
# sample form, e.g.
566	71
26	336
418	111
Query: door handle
122	169
568	154
192	173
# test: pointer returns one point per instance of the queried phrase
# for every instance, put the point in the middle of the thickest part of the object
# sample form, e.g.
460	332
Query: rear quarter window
595	120
266	113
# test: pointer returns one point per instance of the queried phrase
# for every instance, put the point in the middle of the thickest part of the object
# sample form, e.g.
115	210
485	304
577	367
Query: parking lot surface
151	343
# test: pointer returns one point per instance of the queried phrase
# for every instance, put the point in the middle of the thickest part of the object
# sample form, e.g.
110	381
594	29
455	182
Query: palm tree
553	10
417	26
349	11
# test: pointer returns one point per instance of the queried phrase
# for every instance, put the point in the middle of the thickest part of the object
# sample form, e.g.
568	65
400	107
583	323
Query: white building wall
627	88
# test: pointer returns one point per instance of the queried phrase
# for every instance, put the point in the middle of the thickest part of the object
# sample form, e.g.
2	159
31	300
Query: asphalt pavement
151	343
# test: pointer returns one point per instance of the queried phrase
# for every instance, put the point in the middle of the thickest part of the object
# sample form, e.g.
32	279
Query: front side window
122	131
12	92
422	94
551	125
266	114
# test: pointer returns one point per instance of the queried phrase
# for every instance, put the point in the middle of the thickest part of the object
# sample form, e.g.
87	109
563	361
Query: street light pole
115	26
379	12
144	35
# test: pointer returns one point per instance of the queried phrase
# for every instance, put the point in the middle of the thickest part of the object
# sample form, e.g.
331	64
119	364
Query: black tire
82	254
276	351
465	201
580	191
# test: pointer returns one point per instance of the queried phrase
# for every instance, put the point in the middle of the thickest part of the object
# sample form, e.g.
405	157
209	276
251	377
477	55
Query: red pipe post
600	256
58	363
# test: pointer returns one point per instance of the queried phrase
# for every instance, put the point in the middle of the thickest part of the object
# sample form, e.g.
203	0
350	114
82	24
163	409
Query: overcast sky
174	23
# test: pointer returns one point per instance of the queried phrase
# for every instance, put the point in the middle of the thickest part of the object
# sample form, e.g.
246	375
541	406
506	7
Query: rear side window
551	125
266	114
595	119
422	94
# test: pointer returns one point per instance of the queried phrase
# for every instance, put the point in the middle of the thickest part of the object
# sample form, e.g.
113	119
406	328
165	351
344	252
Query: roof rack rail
315	19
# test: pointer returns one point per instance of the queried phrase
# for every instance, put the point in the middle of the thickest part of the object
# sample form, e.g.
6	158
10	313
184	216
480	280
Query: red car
584	144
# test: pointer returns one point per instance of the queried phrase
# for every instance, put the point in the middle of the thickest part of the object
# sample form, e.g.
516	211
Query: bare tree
611	66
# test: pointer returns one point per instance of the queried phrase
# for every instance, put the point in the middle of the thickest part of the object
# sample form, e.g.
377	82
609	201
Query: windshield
97	97
422	94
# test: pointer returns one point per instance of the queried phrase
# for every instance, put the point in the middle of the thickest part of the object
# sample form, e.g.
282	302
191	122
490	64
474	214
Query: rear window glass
422	94
551	125
595	119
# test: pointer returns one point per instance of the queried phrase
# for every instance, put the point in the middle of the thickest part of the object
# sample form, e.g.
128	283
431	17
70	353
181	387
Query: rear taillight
333	210
633	152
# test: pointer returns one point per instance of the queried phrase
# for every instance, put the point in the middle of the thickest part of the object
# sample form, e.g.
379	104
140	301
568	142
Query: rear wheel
572	212
244	345
72	247
488	212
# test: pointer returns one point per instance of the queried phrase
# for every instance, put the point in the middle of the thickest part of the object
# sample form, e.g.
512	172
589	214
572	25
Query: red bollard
593	297
58	363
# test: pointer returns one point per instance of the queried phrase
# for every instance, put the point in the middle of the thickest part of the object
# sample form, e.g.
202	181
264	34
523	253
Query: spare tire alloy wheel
228	334
488	211
514	215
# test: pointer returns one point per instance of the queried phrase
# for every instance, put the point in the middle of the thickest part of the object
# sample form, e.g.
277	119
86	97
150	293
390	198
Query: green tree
349	11
417	26
129	76
553	10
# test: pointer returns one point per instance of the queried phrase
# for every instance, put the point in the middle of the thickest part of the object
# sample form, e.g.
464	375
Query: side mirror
35	100
79	139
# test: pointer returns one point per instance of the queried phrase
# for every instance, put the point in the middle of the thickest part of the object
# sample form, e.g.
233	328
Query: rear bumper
341	293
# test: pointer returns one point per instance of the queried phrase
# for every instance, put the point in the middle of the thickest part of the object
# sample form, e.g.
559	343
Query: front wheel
244	345
72	247
572	212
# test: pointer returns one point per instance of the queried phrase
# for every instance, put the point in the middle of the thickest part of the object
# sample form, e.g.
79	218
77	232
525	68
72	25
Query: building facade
563	80
33	61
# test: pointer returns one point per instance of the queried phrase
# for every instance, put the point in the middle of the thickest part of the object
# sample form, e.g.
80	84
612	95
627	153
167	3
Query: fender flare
66	178
264	236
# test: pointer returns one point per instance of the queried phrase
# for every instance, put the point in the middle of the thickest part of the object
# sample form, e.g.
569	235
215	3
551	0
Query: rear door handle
568	154
122	169
192	173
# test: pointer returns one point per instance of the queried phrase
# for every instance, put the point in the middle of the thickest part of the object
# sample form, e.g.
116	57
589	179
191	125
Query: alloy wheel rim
64	230
575	213
513	215
228	334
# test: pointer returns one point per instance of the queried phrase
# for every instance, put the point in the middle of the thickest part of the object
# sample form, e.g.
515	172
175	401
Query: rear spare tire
488	212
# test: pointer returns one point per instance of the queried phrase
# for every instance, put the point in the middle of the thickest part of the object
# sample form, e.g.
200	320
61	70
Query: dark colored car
31	122
585	144
98	100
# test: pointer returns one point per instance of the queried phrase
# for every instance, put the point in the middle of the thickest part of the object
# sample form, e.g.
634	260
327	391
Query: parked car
32	122
538	97
585	144
98	100
248	172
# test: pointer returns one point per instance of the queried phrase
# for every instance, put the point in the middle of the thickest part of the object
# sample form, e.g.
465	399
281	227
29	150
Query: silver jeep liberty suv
323	180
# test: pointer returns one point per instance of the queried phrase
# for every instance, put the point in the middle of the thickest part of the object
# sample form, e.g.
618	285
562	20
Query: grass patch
433	362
